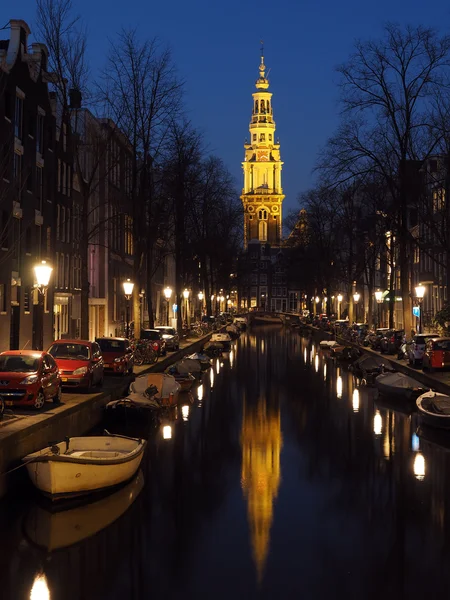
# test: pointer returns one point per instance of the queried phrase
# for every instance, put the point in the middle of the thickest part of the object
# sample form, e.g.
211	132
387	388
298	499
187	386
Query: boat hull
63	476
429	418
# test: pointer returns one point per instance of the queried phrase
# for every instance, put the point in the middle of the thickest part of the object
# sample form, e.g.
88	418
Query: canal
277	478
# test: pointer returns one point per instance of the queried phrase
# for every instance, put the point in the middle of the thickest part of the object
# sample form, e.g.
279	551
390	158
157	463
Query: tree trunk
405	280
85	284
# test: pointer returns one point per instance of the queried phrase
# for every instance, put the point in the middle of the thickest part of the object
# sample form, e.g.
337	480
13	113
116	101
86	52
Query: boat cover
399	380
370	362
188	365
164	383
440	405
201	357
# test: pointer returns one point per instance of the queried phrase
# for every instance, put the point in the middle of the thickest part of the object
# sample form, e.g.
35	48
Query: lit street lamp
339	299
379	299
42	274
186	293
128	291
168	296
200	297
356	298
420	293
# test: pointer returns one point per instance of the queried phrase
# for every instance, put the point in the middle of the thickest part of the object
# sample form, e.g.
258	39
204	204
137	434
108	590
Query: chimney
75	98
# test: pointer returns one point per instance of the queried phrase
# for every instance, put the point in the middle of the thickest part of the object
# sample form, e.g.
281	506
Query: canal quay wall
75	416
439	382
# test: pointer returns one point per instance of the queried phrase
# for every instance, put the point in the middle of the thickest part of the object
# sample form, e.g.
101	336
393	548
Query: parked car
416	348
118	355
155	338
29	378
375	338
170	337
80	362
392	340
437	354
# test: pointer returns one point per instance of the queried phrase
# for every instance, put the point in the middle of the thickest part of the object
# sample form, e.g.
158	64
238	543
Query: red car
437	354
29	378
80	362
117	354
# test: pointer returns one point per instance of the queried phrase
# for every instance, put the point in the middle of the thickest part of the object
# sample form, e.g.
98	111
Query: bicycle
144	354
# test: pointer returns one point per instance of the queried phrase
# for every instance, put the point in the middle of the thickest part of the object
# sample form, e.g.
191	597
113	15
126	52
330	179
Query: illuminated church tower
262	195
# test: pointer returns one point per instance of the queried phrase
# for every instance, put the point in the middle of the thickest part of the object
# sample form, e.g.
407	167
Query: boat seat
94	454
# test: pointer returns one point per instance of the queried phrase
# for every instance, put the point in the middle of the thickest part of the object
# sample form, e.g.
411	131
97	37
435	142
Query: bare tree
388	89
141	92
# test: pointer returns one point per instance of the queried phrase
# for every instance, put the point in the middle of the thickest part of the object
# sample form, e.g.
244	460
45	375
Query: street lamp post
186	306
128	291
420	293
168	296
339	299
200	296
356	298
379	299
42	273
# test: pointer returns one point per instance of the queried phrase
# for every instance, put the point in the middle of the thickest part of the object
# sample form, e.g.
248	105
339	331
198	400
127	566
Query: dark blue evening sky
216	48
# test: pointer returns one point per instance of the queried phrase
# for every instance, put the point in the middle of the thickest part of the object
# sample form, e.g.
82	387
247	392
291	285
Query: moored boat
434	409
223	338
328	344
265	318
399	384
83	465
203	359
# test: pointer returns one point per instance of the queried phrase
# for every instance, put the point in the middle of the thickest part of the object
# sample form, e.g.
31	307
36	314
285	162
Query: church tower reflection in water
260	479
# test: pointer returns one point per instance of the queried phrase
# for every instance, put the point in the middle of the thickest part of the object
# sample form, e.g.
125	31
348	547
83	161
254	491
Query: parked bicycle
144	353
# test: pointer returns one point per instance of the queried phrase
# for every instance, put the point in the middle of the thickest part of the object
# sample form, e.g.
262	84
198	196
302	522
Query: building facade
27	189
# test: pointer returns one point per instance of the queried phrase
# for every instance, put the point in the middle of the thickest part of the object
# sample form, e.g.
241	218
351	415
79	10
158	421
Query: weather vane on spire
262	51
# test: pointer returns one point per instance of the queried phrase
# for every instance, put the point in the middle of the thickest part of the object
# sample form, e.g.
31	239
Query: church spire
262	83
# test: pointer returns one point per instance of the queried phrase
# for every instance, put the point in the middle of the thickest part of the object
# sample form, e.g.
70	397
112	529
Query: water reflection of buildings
261	446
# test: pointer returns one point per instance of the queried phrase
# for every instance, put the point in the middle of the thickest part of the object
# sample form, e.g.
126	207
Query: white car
416	349
170	336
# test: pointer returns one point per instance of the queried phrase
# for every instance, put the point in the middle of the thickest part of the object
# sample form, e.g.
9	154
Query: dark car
156	339
117	354
375	338
392	340
170	337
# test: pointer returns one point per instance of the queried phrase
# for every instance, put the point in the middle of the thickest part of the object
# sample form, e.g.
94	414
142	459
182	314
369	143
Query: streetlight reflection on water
231	358
217	366
185	412
40	590
211	377
377	423
339	386
355	400
419	467
305	355
324	371
167	432
316	363
200	392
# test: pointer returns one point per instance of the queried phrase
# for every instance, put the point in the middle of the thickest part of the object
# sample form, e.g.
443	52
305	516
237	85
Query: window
256	106
262	214
270	137
254	137
18	118
40	134
63	224
67	272
262	137
17	169
262	231
416	255
128	235
7	101
30	181
4	229
263	279
59	175
438	199
26	300
68	180
58	221
57	270
49	241
3	297
39	184
28	240
63	178
114	299
68	226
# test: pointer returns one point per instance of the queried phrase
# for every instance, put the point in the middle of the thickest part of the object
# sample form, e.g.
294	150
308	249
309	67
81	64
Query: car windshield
442	345
12	363
421	339
166	330
148	334
108	345
70	351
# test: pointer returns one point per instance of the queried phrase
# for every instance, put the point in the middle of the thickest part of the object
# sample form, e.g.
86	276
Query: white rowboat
82	465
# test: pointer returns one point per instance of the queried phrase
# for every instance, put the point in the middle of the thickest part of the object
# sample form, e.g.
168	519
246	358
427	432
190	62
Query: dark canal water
280	480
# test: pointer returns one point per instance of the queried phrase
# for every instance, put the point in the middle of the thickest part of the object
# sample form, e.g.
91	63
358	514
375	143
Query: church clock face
264	156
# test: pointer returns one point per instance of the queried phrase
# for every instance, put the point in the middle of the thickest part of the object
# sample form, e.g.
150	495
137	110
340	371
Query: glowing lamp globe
42	272
128	287
168	292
